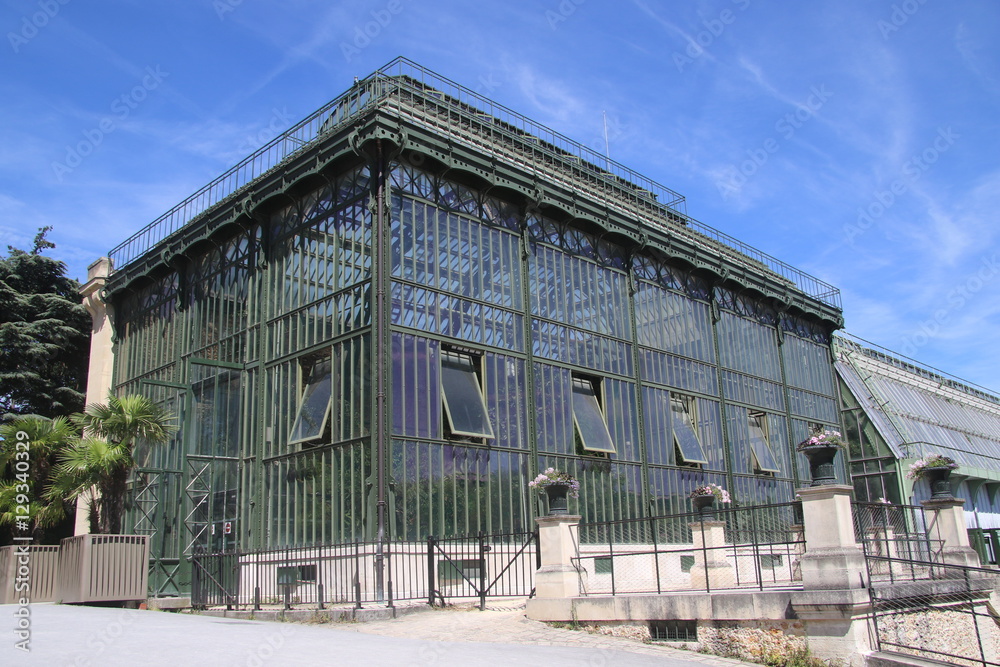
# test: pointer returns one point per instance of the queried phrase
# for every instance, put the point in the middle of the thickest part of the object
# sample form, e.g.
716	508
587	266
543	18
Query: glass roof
918	410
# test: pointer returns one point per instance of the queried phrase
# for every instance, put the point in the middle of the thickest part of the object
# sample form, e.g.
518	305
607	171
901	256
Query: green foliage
44	335
102	460
45	438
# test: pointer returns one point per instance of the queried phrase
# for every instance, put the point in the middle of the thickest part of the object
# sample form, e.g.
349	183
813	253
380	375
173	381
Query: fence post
833	560
482	570
709	570
430	570
945	520
835	603
559	576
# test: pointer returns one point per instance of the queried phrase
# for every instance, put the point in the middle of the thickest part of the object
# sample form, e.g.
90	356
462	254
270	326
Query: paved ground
80	636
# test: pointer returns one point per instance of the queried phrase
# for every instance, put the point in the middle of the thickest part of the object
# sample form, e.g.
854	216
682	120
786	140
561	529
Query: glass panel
416	387
673	323
315	404
457	490
553	409
588	418
215	394
463	397
684	433
759	445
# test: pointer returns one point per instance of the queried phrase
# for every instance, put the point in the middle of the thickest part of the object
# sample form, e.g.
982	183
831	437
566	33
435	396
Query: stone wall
948	631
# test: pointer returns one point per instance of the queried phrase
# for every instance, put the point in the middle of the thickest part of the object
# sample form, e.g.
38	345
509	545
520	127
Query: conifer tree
44	335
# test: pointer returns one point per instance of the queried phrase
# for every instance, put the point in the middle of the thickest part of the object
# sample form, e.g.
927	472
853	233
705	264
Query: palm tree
27	477
97	466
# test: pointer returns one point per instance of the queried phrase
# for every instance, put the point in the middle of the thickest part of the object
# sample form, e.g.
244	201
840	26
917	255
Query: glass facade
515	343
390	346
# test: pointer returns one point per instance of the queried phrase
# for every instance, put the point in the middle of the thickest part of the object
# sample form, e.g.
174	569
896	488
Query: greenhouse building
389	319
896	411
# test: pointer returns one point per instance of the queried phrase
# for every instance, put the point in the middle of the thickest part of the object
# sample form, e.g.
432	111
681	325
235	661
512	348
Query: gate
215	580
497	565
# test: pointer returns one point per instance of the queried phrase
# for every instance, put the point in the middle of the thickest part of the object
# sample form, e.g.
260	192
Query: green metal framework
298	319
897	410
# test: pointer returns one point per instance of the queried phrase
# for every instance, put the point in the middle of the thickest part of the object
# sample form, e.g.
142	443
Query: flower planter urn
705	505
940	484
557	494
821	464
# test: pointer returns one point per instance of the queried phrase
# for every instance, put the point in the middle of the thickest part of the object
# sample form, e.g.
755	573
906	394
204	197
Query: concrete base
713	575
343	615
961	556
748	605
168	604
833	568
560	581
836	623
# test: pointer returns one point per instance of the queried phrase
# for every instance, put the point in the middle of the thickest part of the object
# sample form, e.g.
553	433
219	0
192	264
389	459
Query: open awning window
685	434
464	405
588	418
760	446
314	407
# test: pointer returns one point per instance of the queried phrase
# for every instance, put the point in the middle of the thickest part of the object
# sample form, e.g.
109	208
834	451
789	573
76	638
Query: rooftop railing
430	100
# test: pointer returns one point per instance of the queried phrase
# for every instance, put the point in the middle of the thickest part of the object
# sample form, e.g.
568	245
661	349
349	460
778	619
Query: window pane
315	405
589	419
762	453
463	397
684	435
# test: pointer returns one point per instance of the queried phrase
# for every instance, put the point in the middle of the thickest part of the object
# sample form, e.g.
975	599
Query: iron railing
357	573
761	549
431	101
945	615
886	531
493	565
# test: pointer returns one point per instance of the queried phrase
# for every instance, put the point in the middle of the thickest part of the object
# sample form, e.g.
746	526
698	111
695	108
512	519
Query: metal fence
356	573
753	547
895	541
945	615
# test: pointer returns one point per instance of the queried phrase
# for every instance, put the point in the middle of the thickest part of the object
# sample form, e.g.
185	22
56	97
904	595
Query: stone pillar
559	576
946	525
833	603
833	559
710	569
102	358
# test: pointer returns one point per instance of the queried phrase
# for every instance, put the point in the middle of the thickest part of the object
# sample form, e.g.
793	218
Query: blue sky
855	140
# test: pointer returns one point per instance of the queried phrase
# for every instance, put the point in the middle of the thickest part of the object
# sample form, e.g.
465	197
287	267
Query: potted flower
558	486
704	498
937	469
821	448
